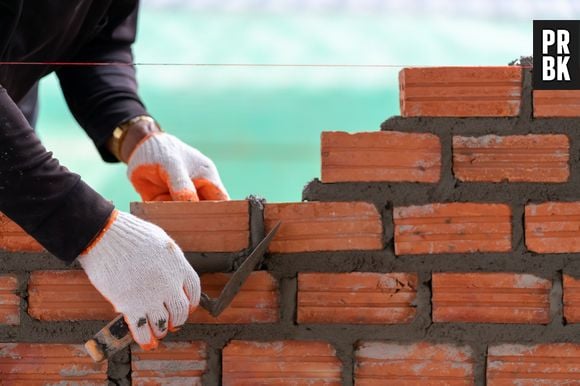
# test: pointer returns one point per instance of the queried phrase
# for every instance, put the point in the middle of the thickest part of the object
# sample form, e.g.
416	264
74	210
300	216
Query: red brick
257	301
556	103
452	228
553	227
571	299
172	363
380	156
486	297
421	363
356	298
206	226
66	295
14	239
299	363
517	158
43	364
460	91
555	364
324	226
9	300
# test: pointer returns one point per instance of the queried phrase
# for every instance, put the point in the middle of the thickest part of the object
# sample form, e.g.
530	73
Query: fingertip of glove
174	329
152	345
209	191
185	195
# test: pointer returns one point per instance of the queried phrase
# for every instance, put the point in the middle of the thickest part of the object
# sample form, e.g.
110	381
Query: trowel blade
239	277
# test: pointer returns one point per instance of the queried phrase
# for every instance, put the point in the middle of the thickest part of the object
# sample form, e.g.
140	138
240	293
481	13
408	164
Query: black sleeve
52	204
101	97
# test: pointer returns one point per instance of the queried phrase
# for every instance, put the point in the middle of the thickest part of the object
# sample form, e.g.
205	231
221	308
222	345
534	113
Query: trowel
115	336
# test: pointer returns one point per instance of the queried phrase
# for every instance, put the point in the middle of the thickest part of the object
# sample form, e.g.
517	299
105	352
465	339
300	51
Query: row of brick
310	363
323	298
390	156
552	227
477	92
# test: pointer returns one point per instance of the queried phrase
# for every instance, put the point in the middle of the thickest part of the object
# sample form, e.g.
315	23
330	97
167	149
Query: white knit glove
163	168
143	273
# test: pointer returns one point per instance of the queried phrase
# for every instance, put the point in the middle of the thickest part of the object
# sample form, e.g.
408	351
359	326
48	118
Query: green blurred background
262	125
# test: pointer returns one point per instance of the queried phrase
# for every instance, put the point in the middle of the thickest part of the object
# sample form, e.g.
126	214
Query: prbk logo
556	55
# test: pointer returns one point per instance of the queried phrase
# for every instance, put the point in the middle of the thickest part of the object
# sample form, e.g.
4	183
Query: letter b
548	68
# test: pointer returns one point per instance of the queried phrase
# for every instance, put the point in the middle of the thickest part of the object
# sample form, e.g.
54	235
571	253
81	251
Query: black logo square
556	55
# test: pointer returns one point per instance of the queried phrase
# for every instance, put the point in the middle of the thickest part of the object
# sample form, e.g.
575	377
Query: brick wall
441	249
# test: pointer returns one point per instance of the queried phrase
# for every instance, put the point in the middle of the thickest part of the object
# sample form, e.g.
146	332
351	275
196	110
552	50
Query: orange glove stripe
152	183
98	237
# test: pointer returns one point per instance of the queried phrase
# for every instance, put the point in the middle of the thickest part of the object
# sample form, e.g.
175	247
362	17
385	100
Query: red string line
313	65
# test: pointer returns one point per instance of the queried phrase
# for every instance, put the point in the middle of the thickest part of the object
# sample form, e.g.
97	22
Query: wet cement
385	196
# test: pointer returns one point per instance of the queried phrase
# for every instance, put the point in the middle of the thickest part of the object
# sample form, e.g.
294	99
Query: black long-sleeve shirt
52	204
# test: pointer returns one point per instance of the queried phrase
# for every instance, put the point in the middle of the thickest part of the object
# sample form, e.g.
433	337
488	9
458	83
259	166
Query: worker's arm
102	98
133	263
52	204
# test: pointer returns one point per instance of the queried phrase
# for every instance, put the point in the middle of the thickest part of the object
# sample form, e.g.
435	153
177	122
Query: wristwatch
116	140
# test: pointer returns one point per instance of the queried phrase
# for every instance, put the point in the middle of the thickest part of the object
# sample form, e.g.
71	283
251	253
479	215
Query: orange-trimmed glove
163	168
137	267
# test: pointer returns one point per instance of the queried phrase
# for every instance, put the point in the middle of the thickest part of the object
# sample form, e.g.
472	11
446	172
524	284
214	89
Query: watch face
118	132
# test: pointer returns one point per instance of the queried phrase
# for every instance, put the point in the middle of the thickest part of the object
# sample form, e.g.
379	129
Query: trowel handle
112	338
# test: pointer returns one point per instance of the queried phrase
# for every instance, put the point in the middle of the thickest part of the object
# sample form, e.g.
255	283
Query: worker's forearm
52	204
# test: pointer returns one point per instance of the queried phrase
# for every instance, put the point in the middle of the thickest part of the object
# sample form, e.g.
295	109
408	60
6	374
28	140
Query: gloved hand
144	274
163	168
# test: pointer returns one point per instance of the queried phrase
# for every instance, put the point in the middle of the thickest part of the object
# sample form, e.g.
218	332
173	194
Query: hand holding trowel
116	335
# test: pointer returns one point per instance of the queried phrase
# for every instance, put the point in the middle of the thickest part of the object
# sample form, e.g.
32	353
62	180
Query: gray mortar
257	229
385	196
119	370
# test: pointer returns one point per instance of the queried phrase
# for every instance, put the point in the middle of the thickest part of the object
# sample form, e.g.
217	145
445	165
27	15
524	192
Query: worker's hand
143	273
162	168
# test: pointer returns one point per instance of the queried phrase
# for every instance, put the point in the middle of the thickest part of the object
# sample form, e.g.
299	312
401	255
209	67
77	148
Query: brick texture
356	298
257	301
517	158
172	363
422	363
556	103
490	298
380	156
324	226
460	91
553	227
571	299
66	295
555	364
207	226
452	228
296	363
14	239
9	300
49	364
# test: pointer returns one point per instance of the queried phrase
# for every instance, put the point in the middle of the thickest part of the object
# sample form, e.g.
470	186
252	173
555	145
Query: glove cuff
141	144
99	236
